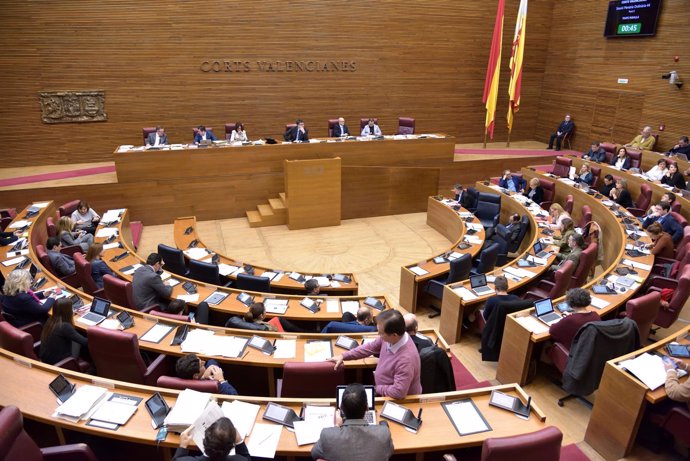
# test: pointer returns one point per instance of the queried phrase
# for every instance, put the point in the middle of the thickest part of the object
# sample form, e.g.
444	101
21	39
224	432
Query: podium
312	189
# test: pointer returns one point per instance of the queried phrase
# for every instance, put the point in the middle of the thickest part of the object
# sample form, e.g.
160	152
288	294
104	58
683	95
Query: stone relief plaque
73	106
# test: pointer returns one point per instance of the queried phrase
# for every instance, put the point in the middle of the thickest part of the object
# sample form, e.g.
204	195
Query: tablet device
375	303
245	299
125	319
603	290
346	343
341	278
158	409
262	344
401	415
678	350
281	415
510	403
180	335
310	304
62	388
189	287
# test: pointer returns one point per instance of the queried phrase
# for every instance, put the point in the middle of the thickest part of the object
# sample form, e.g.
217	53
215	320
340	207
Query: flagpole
508	143
485	134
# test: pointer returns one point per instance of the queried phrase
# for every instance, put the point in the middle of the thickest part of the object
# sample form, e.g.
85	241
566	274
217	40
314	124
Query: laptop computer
539	251
370	415
97	312
544	311
479	286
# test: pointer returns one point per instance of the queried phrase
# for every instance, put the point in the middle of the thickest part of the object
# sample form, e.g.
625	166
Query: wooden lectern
312	189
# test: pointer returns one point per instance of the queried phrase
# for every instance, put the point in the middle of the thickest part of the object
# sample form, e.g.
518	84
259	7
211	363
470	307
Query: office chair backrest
487	258
146	131
166	315
15	340
562	278
118	291
365	121
588	258
645	197
569	204
83	270
561	167
549	192
204	272
460	268
667	317
332	122
253	283
116	355
679	218
643	310
544	445
66	209
635	158
173	259
596	174
406	125
586	216
311	379
199	385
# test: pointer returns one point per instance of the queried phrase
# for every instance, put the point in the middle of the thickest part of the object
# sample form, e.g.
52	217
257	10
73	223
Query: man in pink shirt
398	370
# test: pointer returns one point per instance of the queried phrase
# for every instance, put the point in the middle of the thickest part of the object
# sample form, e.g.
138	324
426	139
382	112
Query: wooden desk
453	306
621	401
284	285
437	433
518	344
443	218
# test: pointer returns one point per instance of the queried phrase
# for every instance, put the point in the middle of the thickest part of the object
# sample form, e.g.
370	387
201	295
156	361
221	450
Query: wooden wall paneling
313	189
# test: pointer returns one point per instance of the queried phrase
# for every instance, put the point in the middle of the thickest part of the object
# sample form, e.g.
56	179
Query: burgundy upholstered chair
116	356
229	128
610	149
596	174
119	291
406	125
51	227
310	379
549	193
364	121
66	209
681	290
635	158
643	201
643	310
199	385
16	444
660	268
147	131
21	342
83	270
586	216
332	122
588	259
677	423
544	445
166	315
569	204
561	167
680	218
561	281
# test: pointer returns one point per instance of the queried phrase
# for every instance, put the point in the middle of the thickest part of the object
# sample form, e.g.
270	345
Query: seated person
98	267
563	129
203	135
596	153
683	147
511	182
398	369
21	305
565	329
191	367
659	171
59	339
557	214
457	192
662	243
85	218
157	138
508	234
297	133
69	236
353	438
239	133
621	160
674	389
669	197
576	243
180	307
621	195
535	191
567	229
341	129
312	287
147	286
363	322
62	264
501	288
644	140
253	319
412	327
661	214
9	237
608	186
371	129
585	175
219	440
673	178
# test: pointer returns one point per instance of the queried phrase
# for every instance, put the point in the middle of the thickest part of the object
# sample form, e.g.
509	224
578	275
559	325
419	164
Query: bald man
411	327
644	140
363	323
341	130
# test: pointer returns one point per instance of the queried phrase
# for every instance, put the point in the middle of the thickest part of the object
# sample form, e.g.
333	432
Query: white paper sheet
285	349
242	414
466	417
263	442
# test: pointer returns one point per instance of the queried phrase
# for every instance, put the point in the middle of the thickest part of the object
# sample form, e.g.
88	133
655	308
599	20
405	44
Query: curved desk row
444	218
36	402
455	296
185	233
623	398
522	332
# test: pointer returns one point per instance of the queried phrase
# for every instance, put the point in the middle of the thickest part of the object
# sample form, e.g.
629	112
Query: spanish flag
516	63
492	71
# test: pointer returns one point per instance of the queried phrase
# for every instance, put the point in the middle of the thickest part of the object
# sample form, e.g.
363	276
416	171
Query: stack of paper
317	351
78	406
285	349
316	418
532	324
647	368
196	253
196	340
20	223
275	306
418	270
188	407
333	305
465	294
105	232
242	414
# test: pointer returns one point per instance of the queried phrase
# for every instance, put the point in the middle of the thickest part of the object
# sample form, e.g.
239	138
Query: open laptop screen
100	306
369	390
543	306
537	248
478	280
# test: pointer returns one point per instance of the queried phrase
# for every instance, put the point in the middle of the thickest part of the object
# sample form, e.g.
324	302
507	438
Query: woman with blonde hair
68	235
535	192
59	339
98	267
557	214
22	306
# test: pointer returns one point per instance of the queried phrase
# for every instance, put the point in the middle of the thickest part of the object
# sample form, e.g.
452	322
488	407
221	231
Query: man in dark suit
511	182
219	438
203	135
147	285
297	133
157	138
62	264
341	129
596	153
564	128
412	327
661	214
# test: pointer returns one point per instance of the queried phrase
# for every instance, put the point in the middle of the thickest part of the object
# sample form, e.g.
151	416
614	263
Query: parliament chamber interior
204	206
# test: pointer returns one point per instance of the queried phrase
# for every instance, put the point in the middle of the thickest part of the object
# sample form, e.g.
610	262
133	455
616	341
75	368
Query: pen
264	440
419	415
245	354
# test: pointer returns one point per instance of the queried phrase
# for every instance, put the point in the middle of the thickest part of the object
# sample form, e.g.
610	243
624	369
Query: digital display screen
631	18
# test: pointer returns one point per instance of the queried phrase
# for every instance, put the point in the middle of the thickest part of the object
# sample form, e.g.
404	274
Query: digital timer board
632	18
